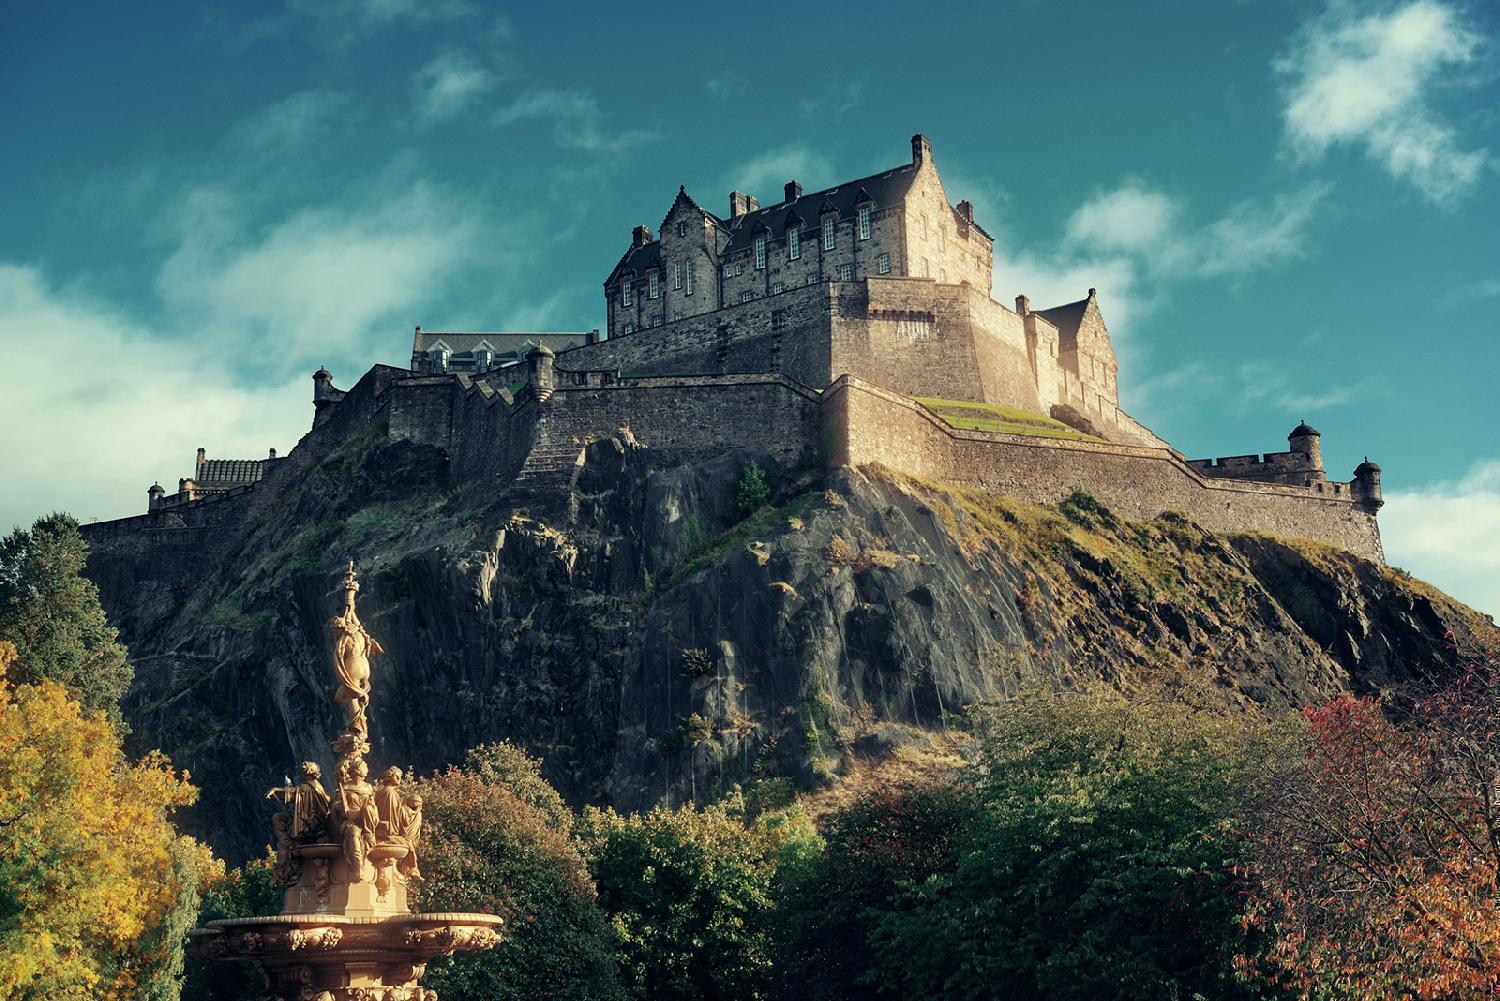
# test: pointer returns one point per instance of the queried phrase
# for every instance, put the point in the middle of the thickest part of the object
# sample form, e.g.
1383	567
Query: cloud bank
1446	532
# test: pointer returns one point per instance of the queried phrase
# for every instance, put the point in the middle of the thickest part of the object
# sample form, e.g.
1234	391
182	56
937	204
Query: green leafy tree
753	490
1101	865
496	838
51	612
689	892
245	892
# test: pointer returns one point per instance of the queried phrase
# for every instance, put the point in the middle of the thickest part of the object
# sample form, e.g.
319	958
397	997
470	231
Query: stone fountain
346	932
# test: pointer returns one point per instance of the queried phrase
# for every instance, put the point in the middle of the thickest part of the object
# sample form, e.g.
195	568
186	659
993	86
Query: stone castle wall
870	425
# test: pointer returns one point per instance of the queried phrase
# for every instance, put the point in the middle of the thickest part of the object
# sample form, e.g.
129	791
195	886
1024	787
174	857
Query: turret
324	395
154	496
1367	485
1307	442
539	372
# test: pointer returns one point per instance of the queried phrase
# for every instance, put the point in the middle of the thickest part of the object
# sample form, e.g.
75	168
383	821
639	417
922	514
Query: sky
1290	210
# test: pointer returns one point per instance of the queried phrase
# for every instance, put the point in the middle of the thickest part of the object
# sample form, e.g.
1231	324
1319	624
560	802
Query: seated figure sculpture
303	821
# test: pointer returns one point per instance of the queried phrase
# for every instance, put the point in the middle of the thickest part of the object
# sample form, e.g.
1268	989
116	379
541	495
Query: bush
496	839
753	490
688	892
245	892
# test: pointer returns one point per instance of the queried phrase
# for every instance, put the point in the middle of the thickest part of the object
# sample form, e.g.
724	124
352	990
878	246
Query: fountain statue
345	932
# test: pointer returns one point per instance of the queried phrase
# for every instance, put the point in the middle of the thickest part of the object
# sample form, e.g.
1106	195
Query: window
482	360
942	239
739	267
926	268
677	275
812	279
746	295
846	272
828	232
656	321
864	222
653	286
690	275
943	275
760	253
630	328
794	243
626	296
883	264
677	314
924	227
681	228
778	288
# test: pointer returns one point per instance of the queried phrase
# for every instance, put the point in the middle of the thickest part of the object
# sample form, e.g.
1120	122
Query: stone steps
550	467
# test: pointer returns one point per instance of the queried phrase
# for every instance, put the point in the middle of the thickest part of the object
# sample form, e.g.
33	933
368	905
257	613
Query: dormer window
794	243
627	295
864	222
828	221
653	286
760	253
483	358
440	358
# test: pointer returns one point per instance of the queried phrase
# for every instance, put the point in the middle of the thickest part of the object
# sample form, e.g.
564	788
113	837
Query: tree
245	892
1378	848
753	490
496	838
689	892
51	612
89	863
1100	865
829	901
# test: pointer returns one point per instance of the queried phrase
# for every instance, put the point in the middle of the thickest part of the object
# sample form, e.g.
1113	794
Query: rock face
653	644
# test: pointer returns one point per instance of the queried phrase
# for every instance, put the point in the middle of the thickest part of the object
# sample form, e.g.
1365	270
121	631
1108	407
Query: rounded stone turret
1367	485
1307	442
539	371
323	394
154	496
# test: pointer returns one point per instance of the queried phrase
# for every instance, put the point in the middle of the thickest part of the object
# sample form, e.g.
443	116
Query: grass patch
763	522
966	415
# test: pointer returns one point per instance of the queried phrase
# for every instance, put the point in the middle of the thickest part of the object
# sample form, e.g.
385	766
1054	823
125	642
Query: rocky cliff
627	622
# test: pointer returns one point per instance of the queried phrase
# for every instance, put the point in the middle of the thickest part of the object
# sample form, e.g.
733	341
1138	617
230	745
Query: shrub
753	491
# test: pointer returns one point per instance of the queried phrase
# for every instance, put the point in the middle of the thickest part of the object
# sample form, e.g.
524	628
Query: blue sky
1290	211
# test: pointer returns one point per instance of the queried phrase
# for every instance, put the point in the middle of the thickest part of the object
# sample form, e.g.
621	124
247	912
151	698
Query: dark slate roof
1304	430
637	259
885	188
1066	318
504	342
228	472
1366	467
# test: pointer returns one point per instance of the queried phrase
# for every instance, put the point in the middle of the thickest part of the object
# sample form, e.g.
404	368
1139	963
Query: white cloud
449	84
1446	533
836	100
577	122
1257	233
1368	80
289	124
1130	218
91	442
319	281
766	174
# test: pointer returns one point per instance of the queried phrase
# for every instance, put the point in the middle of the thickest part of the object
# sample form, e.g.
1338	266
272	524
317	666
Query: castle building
853	325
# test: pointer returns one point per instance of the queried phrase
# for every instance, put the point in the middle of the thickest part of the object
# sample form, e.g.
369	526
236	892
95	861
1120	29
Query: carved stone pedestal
333	957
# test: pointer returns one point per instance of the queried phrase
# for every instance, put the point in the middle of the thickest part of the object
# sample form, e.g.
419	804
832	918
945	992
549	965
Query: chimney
202	456
966	209
640	236
741	204
593	336
793	191
272	455
1023	305
921	150
1091	293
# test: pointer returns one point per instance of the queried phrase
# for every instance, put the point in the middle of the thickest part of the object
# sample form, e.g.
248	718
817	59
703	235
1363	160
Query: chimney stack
202	456
966	209
1023	305
793	191
272	455
741	204
640	236
921	150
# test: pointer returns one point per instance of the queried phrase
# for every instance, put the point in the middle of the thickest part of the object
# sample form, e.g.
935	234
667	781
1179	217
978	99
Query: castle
851	325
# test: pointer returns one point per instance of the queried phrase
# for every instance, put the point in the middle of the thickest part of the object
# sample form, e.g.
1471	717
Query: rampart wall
870	425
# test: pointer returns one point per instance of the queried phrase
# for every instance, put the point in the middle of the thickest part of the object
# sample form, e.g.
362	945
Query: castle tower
323	394
154	496
1367	485
539	372
1308	443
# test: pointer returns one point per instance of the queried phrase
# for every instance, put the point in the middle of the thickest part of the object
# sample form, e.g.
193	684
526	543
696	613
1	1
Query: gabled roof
1066	318
637	259
885	188
229	472
683	196
503	343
